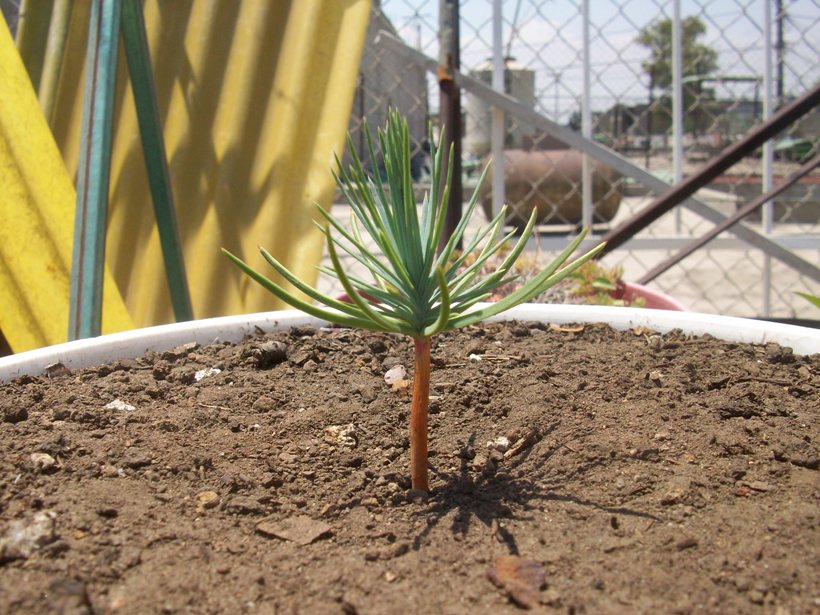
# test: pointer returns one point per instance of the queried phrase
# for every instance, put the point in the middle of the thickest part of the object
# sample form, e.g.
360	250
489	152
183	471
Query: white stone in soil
120	405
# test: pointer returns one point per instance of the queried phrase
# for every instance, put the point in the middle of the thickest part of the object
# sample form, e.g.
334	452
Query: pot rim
135	343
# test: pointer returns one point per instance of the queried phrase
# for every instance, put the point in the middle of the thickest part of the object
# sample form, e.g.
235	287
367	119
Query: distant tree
698	60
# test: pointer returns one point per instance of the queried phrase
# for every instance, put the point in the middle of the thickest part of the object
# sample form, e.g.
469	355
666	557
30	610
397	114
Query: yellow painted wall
37	201
255	98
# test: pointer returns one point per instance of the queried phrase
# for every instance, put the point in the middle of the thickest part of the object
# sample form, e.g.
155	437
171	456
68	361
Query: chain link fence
736	63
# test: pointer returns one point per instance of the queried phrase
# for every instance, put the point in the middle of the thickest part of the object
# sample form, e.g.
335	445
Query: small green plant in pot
813	299
419	287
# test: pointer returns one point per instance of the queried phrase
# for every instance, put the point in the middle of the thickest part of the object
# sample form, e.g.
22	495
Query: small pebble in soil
676	491
206	373
686	543
136	460
109	471
395	374
43	462
24	536
206	500
56	369
343	435
120	405
501	444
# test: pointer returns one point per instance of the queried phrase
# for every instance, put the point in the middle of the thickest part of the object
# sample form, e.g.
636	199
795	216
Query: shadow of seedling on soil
491	497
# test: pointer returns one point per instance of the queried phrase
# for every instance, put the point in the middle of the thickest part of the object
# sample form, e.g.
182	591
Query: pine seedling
421	284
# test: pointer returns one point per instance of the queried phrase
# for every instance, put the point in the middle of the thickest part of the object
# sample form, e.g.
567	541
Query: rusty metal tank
550	181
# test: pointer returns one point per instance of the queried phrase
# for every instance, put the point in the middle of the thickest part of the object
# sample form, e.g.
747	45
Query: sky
547	37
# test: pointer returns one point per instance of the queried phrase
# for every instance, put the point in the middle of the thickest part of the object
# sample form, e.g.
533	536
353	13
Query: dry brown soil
643	474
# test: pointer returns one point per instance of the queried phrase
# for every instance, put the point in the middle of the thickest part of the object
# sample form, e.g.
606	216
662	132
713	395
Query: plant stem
418	414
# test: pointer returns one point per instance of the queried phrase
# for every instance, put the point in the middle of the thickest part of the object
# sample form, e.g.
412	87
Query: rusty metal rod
450	107
732	154
730	221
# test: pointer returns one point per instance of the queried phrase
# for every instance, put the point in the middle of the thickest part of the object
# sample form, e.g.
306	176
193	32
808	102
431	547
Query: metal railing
595	107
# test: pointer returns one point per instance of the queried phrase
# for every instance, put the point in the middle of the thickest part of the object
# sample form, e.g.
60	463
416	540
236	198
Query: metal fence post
85	306
139	67
586	124
768	155
677	105
498	126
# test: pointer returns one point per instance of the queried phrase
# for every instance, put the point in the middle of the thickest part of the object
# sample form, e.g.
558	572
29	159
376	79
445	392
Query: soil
630	472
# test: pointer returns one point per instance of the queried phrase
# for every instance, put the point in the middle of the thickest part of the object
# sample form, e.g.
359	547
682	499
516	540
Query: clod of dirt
242	505
69	597
677	490
522	579
14	414
268	354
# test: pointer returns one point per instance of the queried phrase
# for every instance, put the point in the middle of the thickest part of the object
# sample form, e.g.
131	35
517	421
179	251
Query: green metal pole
85	307
138	57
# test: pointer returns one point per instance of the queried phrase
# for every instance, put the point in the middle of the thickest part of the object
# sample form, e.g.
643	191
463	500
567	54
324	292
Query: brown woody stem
418	415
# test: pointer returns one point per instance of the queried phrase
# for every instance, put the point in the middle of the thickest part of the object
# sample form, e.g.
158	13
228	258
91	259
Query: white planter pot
132	344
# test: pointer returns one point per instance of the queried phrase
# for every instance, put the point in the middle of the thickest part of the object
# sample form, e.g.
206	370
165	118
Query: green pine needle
420	291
